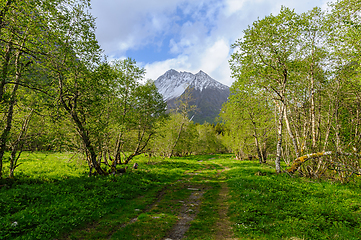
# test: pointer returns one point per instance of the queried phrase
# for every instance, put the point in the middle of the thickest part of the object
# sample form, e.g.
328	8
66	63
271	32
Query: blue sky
186	35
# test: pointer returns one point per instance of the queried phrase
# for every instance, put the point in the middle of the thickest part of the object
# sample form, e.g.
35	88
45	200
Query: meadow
52	197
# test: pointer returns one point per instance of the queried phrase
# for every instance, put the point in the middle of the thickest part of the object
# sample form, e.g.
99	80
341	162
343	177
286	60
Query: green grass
52	198
279	207
203	226
155	223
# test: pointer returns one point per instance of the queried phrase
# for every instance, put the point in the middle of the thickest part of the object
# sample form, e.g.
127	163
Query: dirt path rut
224	226
187	213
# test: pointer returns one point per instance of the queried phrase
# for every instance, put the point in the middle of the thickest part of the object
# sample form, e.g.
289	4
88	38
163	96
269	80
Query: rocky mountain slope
207	94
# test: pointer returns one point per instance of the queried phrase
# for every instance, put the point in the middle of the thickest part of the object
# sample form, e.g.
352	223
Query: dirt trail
191	206
197	182
187	213
224	226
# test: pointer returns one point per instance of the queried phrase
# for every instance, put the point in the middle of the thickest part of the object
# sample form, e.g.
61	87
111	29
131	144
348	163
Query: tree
26	40
176	136
75	65
49	48
265	58
248	116
135	107
339	91
209	141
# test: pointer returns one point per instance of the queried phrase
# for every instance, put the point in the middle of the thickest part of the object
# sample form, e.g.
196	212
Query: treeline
297	90
296	94
58	92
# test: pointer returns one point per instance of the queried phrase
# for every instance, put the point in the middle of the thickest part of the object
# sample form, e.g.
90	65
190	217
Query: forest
282	161
295	99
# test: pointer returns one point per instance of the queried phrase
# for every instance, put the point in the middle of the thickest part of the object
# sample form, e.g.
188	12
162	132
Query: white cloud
156	69
214	56
233	6
211	59
126	24
199	32
214	61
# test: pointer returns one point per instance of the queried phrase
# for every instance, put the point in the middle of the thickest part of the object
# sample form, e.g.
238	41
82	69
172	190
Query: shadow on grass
44	208
271	206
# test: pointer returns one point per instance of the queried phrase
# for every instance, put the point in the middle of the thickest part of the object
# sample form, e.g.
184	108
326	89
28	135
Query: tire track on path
187	213
224	226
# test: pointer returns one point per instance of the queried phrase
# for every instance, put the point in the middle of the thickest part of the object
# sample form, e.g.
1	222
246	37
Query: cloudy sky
185	35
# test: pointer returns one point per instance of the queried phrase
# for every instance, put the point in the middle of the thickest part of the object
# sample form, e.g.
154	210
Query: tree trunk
290	133
17	146
313	112
264	152
255	136
87	143
82	132
9	118
337	127
279	142
176	141
299	161
4	73
117	159
258	150
10	112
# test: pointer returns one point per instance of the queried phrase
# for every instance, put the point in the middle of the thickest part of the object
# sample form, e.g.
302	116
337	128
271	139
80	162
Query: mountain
208	94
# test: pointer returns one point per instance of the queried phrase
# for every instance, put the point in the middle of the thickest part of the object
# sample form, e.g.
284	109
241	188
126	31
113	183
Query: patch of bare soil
187	213
224	226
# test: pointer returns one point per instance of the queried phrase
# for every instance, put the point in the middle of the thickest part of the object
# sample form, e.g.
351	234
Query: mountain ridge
207	94
172	83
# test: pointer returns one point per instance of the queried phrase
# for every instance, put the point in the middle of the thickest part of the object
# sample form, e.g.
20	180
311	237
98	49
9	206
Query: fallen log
300	160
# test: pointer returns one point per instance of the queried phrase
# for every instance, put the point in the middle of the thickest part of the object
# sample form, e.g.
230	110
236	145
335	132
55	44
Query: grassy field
52	198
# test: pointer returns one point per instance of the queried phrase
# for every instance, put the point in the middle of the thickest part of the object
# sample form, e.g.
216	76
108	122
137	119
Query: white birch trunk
279	140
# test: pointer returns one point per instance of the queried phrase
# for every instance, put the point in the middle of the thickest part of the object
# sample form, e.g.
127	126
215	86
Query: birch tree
267	56
334	95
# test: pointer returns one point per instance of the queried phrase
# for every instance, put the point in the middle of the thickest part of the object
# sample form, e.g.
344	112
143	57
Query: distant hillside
208	94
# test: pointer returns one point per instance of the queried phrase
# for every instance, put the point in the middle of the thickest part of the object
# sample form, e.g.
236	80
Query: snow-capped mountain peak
172	84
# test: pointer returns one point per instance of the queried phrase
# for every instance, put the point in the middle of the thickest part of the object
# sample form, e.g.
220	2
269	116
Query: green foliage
42	43
175	136
305	69
133	111
53	198
209	140
277	207
248	120
344	26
